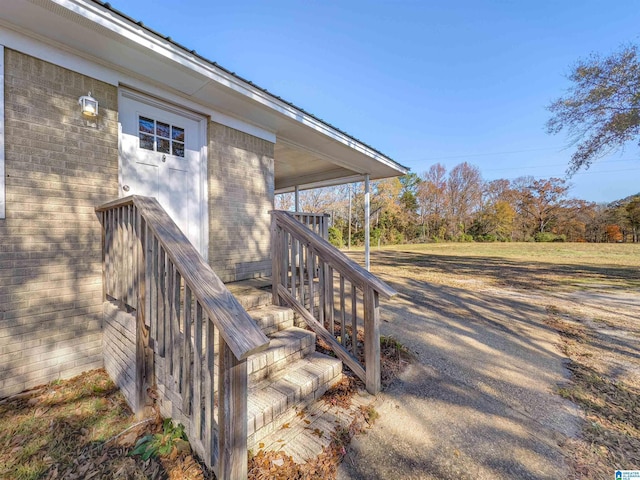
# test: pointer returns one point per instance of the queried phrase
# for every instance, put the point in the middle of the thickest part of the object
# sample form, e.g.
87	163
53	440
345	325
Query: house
94	107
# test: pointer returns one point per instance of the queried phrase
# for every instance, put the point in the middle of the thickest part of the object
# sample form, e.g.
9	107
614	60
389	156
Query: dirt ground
528	365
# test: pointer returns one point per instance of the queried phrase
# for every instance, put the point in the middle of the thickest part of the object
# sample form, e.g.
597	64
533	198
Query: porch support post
297	197
367	214
349	235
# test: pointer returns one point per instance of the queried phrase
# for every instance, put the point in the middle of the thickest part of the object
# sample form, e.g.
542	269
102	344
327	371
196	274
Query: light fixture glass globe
88	105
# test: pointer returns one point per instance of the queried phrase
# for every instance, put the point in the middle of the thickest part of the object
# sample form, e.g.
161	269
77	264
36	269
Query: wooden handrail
335	257
192	336
309	214
305	267
239	330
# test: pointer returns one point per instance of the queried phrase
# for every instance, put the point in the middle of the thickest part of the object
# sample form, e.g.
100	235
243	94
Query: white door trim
202	124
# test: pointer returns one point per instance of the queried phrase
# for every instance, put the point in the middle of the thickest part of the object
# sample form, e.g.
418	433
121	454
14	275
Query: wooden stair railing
303	262
186	315
316	222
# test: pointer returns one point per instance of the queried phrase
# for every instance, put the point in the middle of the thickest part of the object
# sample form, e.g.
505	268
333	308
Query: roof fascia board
112	21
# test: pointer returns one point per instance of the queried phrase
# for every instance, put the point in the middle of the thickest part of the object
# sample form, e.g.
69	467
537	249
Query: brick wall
119	342
59	166
119	347
240	197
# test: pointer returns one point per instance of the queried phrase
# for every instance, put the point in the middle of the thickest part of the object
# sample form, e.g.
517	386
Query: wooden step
276	400
272	318
286	347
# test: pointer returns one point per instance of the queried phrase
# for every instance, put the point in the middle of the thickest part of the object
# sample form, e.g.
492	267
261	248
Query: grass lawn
627	254
522	265
45	427
80	428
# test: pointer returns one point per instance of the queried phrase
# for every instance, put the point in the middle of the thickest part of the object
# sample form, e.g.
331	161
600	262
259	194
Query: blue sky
422	81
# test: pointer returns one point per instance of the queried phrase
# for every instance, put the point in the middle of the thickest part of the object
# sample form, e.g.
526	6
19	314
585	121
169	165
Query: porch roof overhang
309	152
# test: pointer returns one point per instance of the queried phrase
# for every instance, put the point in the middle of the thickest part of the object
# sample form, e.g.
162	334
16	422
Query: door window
160	137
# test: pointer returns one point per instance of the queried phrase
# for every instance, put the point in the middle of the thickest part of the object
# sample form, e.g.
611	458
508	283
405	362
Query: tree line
458	205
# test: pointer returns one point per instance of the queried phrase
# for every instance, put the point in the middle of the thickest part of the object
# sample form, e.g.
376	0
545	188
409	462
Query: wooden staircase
289	375
230	362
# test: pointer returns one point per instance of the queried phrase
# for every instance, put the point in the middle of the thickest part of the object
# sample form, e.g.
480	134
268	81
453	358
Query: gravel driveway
479	401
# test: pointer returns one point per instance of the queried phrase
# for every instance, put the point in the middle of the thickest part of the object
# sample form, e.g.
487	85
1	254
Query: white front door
163	155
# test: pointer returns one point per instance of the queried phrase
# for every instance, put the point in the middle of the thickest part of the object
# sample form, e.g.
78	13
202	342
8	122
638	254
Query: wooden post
103	222
294	267
210	440
155	286
174	327
232	415
325	226
354	320
187	378
310	274
129	265
301	270
372	340
144	355
118	260
108	255
329	301
162	300
136	247
169	322
276	251
150	308
284	257
322	287
343	325
196	415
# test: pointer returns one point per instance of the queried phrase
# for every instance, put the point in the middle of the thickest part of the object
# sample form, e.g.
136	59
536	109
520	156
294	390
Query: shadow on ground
479	402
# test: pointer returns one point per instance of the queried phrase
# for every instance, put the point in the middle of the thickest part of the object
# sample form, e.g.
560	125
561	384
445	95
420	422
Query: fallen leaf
128	438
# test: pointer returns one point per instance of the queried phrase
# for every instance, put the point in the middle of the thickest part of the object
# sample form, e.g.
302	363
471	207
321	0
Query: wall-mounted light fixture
88	105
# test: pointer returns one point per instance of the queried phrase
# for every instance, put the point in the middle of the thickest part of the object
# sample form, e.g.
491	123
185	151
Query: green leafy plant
549	237
335	237
170	442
